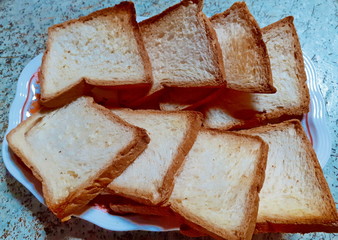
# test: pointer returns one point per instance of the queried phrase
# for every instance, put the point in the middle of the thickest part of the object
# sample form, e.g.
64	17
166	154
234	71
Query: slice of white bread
237	109
104	48
76	151
149	179
295	196
216	189
245	57
183	48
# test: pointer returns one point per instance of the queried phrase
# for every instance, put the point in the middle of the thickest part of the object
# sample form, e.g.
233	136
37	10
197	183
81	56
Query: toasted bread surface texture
217	187
245	56
104	48
183	48
76	151
149	179
295	196
292	96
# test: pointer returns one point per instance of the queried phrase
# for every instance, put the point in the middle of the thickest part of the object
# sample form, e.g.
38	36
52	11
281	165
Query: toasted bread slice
149	179
238	109
104	48
183	48
245	57
216	189
76	151
295	196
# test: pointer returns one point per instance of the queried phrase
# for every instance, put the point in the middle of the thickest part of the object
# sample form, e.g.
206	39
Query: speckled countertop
23	30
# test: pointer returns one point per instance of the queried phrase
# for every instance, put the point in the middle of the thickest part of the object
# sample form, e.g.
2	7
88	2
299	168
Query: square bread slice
216	189
76	151
245	56
295	196
149	179
236	109
183	48
104	48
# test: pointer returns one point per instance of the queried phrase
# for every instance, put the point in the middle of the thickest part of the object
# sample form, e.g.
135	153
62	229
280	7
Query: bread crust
329	227
248	226
195	119
83	85
165	189
244	13
78	198
28	123
159	16
301	224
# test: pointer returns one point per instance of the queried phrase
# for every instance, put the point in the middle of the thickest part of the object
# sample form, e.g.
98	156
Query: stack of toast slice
235	109
238	31
295	196
172	135
76	151
165	160
250	71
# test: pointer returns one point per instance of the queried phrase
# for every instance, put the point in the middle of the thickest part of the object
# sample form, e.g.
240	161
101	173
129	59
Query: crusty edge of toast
77	200
83	85
157	17
248	227
144	197
301	225
195	119
244	13
28	123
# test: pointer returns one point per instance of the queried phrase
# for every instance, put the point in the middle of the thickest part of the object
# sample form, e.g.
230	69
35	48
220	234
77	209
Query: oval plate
26	103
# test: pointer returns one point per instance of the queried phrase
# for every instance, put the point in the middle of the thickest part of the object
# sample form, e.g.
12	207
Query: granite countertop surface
23	32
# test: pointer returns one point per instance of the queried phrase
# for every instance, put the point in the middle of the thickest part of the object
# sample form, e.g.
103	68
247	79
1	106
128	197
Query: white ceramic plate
24	104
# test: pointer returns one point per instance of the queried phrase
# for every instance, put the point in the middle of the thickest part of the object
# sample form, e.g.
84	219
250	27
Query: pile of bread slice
148	111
